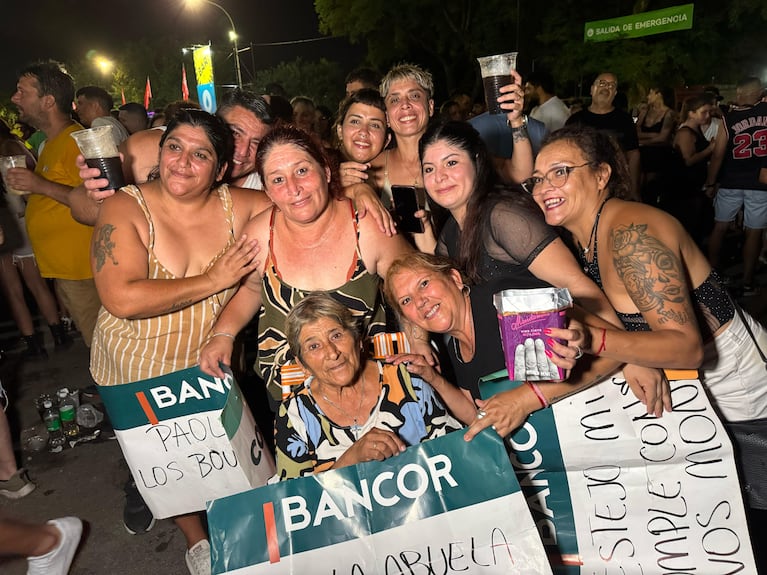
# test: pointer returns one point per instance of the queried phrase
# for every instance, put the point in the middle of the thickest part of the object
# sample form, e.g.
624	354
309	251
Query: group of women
196	263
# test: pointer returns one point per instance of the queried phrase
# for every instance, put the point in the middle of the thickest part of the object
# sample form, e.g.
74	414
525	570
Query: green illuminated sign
637	25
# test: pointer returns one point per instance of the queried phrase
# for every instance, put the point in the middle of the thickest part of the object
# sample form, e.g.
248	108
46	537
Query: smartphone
407	201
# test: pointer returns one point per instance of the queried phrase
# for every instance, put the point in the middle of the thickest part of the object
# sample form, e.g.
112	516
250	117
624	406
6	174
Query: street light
232	36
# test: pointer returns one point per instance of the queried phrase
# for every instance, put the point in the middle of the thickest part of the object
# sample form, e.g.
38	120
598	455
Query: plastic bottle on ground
53	424
68	414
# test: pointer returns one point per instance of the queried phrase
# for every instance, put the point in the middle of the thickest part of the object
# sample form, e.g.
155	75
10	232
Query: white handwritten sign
188	438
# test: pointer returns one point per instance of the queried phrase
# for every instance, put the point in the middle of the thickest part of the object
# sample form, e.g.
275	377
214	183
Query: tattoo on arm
103	246
519	135
651	273
180	305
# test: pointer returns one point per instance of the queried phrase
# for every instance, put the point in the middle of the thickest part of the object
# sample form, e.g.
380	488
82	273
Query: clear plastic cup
99	150
496	72
8	162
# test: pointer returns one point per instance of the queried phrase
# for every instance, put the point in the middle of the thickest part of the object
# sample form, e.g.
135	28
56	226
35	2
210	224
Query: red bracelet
602	345
539	394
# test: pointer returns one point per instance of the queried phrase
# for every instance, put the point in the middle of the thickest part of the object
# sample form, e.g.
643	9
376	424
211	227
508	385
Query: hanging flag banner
147	93
188	438
614	490
444	506
184	85
203	73
637	25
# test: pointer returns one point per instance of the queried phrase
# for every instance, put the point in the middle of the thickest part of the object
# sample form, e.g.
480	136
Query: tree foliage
321	80
725	43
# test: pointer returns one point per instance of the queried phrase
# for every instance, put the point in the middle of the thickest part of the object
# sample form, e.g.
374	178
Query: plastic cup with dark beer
496	72
99	150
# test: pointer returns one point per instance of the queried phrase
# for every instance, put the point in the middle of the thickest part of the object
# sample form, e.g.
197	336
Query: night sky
66	30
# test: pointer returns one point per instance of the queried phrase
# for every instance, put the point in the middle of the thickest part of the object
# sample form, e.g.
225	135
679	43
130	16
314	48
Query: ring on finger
578	352
481	413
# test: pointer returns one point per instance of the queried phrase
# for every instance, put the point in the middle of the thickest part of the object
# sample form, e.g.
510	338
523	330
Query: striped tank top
128	350
360	293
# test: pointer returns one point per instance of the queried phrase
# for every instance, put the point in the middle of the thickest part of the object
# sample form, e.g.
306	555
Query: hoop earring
466	290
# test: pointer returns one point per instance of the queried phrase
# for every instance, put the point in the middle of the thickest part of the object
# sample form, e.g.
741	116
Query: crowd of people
271	214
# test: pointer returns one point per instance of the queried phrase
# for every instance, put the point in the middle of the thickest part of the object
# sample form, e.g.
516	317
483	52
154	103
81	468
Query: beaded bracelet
539	394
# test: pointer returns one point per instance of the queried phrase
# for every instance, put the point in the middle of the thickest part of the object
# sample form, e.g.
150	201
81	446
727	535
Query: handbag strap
750	333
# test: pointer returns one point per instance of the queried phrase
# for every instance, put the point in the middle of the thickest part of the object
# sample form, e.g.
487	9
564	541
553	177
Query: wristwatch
518	128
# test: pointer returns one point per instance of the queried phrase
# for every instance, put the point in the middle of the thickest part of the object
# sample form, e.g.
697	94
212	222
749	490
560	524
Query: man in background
94	106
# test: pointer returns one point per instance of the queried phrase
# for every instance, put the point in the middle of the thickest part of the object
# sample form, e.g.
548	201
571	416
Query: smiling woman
675	309
167	256
349	410
315	242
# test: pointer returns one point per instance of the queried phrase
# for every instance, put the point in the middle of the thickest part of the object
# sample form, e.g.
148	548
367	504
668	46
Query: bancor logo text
164	396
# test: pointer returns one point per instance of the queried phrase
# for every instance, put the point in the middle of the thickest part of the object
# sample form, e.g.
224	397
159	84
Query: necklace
408	170
355	427
593	236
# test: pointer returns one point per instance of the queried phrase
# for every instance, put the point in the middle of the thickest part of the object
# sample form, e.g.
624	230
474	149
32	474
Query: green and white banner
444	506
188	438
613	490
638	25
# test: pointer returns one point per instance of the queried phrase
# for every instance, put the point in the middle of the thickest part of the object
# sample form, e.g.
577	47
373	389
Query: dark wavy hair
485	194
598	148
215	128
303	141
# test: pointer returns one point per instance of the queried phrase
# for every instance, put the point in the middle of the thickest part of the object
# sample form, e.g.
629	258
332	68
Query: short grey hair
408	72
312	308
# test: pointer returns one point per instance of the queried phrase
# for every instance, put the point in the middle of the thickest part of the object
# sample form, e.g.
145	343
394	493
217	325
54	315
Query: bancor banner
642	24
444	506
188	438
616	491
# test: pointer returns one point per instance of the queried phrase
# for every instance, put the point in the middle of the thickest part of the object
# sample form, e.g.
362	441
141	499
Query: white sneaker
59	559
198	558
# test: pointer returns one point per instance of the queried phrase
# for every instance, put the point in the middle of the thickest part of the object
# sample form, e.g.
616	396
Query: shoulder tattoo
103	246
651	272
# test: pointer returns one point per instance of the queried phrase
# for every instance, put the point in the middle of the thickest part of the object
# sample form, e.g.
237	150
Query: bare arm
520	166
650	138
653	277
684	141
119	261
26	180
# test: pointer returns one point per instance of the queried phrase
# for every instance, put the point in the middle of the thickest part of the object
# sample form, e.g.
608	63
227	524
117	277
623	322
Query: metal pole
234	40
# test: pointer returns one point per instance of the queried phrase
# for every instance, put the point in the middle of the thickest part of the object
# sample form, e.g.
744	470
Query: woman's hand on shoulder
375	445
367	203
650	386
237	261
353	173
416	364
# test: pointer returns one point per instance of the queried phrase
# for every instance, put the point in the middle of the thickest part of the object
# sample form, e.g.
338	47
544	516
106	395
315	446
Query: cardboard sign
188	438
444	506
613	490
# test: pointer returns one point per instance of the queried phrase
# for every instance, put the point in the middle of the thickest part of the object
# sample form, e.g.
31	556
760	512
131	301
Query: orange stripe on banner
677	374
148	411
271	533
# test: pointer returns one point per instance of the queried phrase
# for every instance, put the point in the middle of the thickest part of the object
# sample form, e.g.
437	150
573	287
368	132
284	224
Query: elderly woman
350	409
313	242
430	292
498	238
166	257
676	312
